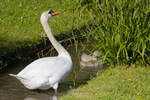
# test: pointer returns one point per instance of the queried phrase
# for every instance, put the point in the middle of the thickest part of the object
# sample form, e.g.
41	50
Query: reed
123	29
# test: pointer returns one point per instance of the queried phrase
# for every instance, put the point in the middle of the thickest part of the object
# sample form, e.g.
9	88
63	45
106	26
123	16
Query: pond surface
12	89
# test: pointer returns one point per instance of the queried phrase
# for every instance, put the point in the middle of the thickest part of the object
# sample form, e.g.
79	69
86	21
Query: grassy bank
119	83
20	20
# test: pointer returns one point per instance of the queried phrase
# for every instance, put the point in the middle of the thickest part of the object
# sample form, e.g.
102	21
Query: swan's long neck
60	49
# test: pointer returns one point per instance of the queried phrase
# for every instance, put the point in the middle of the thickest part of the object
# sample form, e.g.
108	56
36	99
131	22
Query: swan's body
47	72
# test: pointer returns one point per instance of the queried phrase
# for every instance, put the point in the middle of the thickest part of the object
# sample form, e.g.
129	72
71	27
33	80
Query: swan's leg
55	91
55	86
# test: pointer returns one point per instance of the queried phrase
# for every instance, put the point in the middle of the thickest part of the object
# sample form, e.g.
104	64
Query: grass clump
119	83
122	32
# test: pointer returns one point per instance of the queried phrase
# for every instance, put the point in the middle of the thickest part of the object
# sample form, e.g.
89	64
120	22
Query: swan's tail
13	75
16	76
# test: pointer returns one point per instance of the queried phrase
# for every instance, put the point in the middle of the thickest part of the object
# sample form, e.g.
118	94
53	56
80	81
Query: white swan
47	72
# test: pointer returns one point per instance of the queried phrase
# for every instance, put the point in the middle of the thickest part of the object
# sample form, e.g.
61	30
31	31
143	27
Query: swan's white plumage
46	72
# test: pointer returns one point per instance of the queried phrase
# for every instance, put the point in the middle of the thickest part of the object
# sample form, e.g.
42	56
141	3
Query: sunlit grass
119	83
20	20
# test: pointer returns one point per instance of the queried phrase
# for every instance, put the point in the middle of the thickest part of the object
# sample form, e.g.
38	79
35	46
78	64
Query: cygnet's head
47	14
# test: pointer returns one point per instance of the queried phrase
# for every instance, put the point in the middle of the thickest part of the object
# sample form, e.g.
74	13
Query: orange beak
54	13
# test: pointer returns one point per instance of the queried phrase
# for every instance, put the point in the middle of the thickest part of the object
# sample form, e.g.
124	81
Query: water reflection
41	97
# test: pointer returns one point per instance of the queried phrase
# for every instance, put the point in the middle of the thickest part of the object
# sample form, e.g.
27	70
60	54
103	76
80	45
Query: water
12	89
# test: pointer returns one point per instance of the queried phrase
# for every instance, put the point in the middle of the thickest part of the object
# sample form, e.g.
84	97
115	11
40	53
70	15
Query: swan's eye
50	12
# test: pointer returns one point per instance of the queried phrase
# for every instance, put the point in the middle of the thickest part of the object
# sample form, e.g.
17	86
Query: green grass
119	83
20	20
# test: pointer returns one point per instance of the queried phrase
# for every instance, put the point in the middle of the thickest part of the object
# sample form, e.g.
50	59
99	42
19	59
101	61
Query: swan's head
47	14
